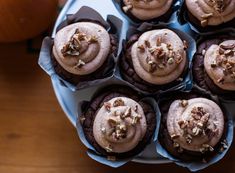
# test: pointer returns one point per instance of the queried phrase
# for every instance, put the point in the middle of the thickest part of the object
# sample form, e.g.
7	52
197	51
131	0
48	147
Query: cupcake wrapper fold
92	153
135	21
113	26
187	81
196	166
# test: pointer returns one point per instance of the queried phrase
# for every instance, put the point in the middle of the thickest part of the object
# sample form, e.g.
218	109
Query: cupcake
208	14
193	127
117	123
214	65
82	52
154	60
145	10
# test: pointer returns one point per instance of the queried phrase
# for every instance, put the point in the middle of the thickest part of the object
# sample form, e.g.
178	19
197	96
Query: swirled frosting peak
147	9
195	125
219	62
119	125
212	12
81	48
159	56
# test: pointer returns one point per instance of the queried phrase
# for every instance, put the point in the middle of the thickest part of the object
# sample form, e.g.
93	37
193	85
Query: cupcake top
212	12
196	124
119	125
147	9
81	48
159	56
219	63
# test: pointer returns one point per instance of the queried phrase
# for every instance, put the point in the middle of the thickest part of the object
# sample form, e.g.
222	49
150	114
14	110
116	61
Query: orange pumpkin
24	19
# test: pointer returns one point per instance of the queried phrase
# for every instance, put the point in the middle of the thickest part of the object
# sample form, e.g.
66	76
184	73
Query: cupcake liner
95	155
187	82
228	136
183	18
135	21
214	35
113	26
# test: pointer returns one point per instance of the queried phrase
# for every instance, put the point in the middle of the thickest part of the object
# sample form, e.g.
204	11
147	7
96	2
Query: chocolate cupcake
214	66
146	10
154	60
193	127
82	50
211	14
117	123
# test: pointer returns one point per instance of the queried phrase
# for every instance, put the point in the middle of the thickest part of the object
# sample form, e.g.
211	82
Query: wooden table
36	136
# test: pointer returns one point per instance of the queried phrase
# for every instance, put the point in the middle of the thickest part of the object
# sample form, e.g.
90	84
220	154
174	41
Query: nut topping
170	61
82	119
147	43
206	16
152	66
127	8
185	44
107	106
213	65
80	64
184	103
103	130
159	41
111	158
118	102
220	80
109	148
126	114
174	136
77	44
141	48
204	22
135	119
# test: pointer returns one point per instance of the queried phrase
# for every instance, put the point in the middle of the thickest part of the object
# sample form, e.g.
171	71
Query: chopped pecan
184	103
141	48
107	106
147	43
204	22
159	41
127	8
118	102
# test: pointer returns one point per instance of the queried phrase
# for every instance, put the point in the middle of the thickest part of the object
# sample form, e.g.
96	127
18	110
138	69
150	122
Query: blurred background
35	135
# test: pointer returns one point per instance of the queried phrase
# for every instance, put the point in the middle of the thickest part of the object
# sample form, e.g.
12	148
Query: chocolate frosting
147	9
159	56
119	125
212	12
196	124
219	63
81	48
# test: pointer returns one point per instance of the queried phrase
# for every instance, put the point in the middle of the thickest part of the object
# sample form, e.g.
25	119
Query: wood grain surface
36	136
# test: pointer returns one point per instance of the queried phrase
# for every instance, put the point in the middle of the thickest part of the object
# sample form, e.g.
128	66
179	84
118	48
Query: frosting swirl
196	124
159	56
147	9
219	63
119	125
81	48
212	12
